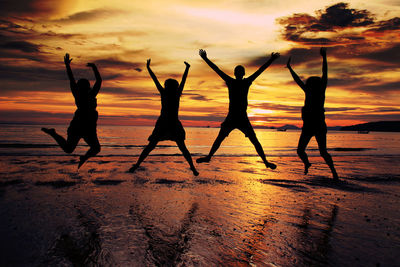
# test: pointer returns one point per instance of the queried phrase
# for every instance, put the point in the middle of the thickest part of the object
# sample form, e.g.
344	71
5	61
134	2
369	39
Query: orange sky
363	57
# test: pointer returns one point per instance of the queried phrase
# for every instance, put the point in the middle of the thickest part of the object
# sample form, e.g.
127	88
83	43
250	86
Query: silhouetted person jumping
313	115
168	126
237	116
84	123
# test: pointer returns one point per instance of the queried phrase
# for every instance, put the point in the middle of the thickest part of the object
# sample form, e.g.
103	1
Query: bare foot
49	131
306	166
270	165
203	159
133	169
81	161
195	172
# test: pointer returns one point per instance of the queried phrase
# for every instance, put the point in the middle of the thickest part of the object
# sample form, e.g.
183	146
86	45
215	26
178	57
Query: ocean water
29	140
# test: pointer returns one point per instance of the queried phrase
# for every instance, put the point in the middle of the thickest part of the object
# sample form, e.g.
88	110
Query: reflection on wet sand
165	217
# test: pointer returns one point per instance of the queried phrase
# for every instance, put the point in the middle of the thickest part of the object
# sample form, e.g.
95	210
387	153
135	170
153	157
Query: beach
235	213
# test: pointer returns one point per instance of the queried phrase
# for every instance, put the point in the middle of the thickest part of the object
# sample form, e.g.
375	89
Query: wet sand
235	212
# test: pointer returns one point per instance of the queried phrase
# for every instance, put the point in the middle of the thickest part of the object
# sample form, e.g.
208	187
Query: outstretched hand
92	65
203	53
187	64
67	59
288	62
274	55
322	51
148	63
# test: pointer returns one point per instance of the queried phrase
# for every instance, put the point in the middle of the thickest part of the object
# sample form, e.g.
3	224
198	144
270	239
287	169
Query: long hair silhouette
313	114
84	122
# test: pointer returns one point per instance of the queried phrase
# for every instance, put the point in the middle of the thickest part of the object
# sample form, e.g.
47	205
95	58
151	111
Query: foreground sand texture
235	213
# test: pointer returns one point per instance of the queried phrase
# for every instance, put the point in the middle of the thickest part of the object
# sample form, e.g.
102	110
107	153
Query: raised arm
67	61
203	55
153	76
185	74
96	87
263	67
295	77
324	67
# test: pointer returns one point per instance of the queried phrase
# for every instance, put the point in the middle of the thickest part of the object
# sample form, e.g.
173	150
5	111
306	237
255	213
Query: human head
314	83
239	72
171	85
83	85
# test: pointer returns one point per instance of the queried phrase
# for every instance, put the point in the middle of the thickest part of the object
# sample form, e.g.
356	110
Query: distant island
379	126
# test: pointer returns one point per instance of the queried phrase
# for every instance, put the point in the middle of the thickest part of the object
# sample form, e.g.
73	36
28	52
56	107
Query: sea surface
29	140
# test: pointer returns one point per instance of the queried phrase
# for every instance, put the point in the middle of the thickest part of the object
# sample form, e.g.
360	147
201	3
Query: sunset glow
363	58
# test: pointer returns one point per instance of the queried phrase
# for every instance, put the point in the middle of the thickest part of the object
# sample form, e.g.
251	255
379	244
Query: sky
362	40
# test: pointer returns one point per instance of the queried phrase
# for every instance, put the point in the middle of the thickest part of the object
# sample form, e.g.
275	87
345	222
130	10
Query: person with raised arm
84	122
168	126
238	89
313	114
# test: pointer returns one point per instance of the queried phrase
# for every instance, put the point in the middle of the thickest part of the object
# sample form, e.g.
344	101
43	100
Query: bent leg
68	145
223	133
146	151
301	149
321	140
186	154
94	149
260	151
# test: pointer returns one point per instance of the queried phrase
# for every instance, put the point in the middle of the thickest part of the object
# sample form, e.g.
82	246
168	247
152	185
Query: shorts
167	130
243	124
83	124
314	123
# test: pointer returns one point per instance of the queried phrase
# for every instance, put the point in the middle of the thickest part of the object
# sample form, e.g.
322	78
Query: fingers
274	55
67	59
148	62
187	64
202	53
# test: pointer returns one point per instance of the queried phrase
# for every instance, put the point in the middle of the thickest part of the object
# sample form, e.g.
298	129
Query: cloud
304	28
116	63
382	87
23	46
390	54
25	73
33	8
89	15
387	25
195	96
299	55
